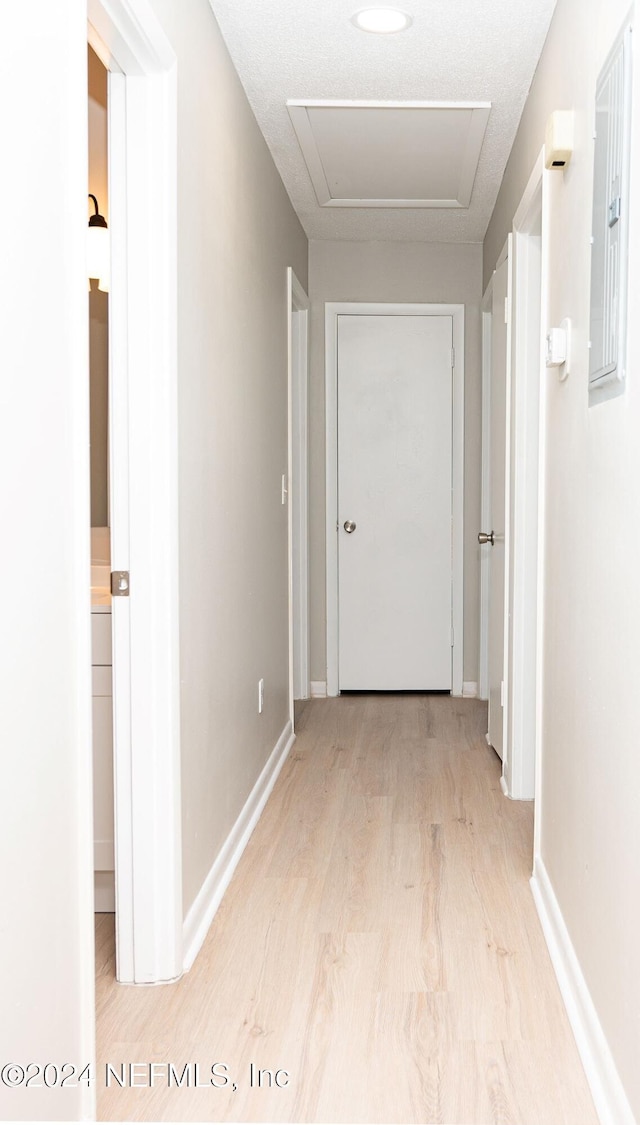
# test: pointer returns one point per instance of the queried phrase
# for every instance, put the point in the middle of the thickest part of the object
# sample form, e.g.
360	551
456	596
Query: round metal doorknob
349	526
484	538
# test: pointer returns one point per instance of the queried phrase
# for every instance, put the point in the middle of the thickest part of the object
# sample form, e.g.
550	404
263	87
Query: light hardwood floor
378	942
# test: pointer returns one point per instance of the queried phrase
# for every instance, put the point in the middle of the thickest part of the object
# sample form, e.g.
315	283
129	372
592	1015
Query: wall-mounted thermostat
558	352
556	347
558	145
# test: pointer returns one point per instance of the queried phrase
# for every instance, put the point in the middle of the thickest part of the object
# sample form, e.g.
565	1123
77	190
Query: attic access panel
391	154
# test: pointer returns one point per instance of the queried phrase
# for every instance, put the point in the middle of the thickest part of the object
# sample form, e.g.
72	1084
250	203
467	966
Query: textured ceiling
456	50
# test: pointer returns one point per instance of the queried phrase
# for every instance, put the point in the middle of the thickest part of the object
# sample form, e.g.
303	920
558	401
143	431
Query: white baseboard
201	913
318	689
607	1091
469	689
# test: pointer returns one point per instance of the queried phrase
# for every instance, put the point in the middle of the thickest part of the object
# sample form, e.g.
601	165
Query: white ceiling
455	50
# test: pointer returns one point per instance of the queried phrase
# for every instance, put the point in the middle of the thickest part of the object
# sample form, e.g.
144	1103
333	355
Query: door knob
484	538
349	526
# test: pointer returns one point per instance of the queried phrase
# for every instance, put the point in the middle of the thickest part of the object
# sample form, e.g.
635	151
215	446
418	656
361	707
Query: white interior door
395	502
497	478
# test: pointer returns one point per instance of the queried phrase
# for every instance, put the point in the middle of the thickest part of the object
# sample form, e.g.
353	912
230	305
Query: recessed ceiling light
382	21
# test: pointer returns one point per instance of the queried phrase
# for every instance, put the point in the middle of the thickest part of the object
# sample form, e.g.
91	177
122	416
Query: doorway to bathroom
139	552
101	644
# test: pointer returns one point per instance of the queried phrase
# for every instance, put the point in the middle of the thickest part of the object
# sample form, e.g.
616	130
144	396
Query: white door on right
497	476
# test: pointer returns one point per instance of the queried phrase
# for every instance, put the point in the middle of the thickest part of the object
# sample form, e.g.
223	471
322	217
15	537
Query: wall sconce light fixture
98	256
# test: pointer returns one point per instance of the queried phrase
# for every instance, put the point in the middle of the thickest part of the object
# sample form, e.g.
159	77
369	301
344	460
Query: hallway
378	942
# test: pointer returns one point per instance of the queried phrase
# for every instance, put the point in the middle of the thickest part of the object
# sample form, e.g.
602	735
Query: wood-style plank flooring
378	942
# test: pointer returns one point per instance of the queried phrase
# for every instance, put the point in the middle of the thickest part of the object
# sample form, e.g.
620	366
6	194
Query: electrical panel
610	226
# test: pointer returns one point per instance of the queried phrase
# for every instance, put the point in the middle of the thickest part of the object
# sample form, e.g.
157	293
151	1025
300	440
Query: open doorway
101	646
141	509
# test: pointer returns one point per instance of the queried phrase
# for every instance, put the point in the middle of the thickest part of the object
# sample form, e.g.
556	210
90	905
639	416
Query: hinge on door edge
453	358
452	637
506	310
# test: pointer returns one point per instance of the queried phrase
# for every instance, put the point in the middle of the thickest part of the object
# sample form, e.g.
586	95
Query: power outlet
260	696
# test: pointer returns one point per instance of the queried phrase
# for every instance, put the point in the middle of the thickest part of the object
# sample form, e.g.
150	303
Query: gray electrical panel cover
610	226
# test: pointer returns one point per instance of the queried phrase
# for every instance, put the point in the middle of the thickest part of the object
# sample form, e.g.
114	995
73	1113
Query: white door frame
487	515
298	400
524	545
529	377
485	498
144	485
333	309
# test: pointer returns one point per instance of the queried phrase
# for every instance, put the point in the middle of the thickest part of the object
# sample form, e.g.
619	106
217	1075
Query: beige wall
98	302
237	233
590	828
395	271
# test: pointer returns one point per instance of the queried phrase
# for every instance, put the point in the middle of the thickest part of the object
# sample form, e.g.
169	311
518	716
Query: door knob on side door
349	526
484	538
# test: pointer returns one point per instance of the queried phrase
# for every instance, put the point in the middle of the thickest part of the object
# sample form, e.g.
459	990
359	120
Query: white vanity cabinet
101	670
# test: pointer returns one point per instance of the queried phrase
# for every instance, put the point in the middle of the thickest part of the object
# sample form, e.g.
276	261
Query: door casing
496	732
144	485
298	407
525	482
528	396
333	310
485	507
